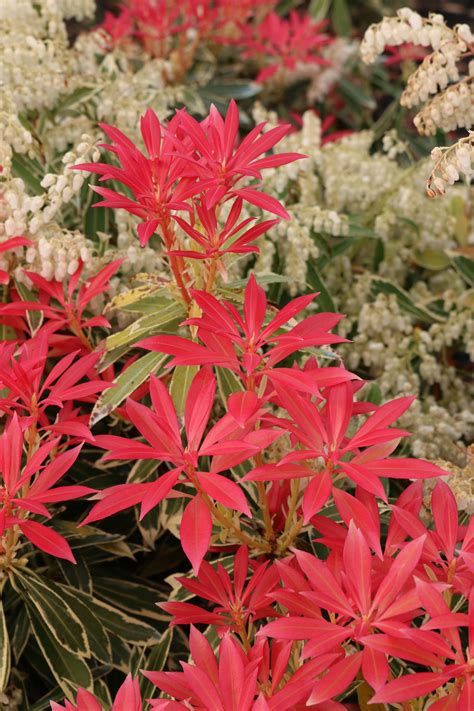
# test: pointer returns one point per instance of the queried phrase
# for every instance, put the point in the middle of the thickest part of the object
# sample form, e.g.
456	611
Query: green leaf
315	283
63	624
21	632
346	244
28	170
459	210
69	669
143	470
156	662
5	654
404	300
108	358
129	628
262	279
180	383
373	394
82	93
379	254
432	259
85	536
227	383
341	18
463	265
98	639
129	595
120	654
355	95
318	9
34	318
166	320
77	576
146	298
96	219
386	120
126	383
221	94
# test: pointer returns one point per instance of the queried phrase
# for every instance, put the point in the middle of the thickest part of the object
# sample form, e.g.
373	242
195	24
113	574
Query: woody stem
177	265
226	522
211	276
287	539
295	489
77	330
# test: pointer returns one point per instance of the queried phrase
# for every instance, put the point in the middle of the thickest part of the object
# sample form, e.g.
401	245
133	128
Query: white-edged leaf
180	383
62	622
5	653
126	383
149	325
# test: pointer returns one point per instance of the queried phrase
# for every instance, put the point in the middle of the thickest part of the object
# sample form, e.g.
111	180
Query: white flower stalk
438	82
451	164
449	110
407	27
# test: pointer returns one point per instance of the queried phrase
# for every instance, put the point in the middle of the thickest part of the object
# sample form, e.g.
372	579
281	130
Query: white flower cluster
62	187
58	252
35	60
137	259
352	180
408	27
449	110
450	164
13	135
438	68
77	9
393	145
408	360
438	80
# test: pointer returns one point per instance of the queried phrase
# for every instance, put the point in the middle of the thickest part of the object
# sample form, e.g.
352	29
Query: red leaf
47	539
409	687
337	679
339	411
128	696
242	406
158	490
316	494
195	531
120	498
375	668
400	571
224	491
271	472
54	471
445	513
11	445
405	468
384	416
199	402
358	566
264	201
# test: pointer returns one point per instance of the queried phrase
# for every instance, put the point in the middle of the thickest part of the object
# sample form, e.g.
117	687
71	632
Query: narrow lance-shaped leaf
4	650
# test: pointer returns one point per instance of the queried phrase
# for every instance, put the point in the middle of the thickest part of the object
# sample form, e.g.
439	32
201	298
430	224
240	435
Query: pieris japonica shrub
313	575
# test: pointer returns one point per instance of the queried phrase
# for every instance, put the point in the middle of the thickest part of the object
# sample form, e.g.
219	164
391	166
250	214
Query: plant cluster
256	475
